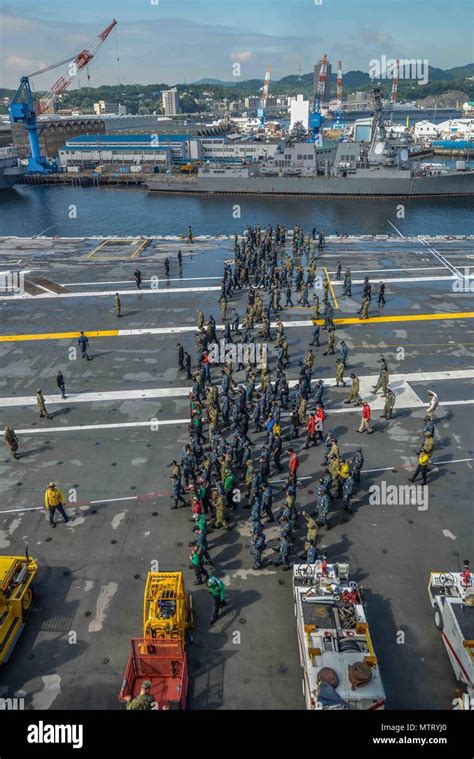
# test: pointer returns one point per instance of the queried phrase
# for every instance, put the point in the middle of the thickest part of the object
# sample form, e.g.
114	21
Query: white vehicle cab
340	669
452	598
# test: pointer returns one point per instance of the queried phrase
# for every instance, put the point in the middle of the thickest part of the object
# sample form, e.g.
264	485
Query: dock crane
22	109
316	117
263	100
339	124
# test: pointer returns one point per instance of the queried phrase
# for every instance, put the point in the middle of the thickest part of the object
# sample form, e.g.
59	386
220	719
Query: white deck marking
160	279
106	594
453	461
50	294
396	230
449	534
206	279
381	469
147	495
443	260
398	382
402	268
375	406
113	500
44	698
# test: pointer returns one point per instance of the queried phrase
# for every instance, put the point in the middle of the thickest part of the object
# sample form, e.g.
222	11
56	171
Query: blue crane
22	108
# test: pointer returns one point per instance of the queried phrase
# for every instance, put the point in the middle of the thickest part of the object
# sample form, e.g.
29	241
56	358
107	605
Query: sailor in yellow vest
422	468
54	499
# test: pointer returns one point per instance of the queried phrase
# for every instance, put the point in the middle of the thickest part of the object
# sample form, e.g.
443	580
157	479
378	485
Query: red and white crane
75	65
395	75
339	86
339	124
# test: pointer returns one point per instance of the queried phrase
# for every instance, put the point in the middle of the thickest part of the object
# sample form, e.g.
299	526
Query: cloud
244	56
373	38
384	38
22	63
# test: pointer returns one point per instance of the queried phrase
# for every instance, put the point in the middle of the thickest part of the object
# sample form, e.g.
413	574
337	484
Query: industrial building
426	129
171	102
54	132
160	150
358	101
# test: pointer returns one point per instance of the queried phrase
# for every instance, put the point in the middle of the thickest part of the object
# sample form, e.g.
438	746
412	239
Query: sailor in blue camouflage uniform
256	512
267	502
312	553
347	490
187	464
259	544
283	554
322	504
286	530
256	526
357	464
256	484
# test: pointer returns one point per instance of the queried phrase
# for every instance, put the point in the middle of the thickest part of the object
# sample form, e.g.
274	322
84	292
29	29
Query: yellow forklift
160	655
16	598
167	611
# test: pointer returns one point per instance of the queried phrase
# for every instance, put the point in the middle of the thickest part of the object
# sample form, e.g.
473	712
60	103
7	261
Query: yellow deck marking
407	318
352	320
331	287
97	247
58	335
144	244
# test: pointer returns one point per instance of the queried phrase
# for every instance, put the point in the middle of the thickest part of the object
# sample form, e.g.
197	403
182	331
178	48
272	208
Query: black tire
438	619
26	601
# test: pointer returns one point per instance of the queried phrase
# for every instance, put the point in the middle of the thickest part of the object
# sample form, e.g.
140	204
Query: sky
175	41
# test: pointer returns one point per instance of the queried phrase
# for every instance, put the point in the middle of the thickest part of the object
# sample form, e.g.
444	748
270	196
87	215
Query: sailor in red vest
365	418
293	463
311	431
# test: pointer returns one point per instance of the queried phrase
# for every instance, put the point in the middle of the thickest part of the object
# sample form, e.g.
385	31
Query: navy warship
381	167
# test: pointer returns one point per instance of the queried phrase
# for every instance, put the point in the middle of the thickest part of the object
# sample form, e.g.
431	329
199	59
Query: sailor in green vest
216	589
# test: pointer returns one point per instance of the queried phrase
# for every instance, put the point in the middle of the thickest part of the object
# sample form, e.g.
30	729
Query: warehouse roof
117	139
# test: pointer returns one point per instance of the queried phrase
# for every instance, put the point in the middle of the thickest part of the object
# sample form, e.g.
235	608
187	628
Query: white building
113	108
171	102
425	128
252	102
463	128
299	111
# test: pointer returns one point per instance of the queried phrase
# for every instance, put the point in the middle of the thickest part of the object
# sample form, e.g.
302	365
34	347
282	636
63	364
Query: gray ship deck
92	572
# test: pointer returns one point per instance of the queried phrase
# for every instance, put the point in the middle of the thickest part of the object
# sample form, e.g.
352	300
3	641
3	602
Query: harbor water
76	212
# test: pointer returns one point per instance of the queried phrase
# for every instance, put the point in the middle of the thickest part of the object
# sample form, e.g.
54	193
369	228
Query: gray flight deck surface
92	572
